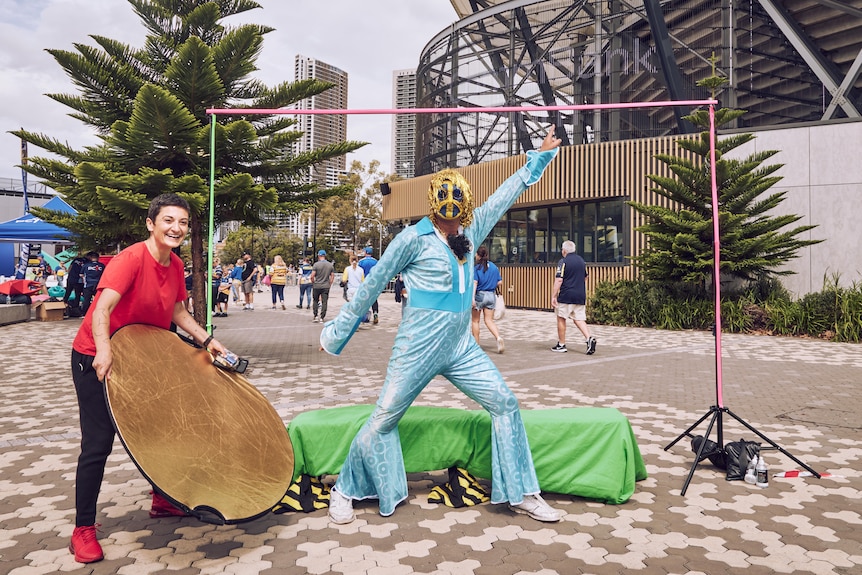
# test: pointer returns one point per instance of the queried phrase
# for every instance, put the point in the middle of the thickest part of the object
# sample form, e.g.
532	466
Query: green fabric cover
590	452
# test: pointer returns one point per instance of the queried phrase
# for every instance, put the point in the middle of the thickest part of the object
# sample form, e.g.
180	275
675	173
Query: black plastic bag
711	451
738	454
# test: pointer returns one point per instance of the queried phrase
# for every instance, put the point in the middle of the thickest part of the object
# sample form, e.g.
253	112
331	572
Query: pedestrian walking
570	297
486	283
322	276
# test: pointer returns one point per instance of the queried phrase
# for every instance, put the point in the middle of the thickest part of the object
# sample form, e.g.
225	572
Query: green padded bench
589	452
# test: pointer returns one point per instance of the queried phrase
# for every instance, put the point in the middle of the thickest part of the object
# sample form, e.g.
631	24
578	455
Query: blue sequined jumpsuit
434	339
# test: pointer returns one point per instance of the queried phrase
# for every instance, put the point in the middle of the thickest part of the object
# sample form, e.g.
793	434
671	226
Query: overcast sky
368	40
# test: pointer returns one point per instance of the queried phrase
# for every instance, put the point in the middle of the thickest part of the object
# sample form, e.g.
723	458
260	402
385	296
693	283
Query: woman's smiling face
170	227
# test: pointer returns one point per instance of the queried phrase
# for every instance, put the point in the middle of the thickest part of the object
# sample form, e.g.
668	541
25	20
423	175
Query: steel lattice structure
785	61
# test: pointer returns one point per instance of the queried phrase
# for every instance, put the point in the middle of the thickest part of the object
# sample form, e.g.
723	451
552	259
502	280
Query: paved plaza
806	395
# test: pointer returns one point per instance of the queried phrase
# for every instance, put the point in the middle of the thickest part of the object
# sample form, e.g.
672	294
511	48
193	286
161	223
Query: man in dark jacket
75	284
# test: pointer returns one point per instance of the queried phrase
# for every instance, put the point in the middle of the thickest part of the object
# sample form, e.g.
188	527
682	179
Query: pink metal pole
495	109
716	249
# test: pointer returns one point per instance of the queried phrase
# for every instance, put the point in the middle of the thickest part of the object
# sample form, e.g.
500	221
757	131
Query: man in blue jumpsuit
435	259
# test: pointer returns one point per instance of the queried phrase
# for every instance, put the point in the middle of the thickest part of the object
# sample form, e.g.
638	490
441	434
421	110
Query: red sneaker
84	546
164	508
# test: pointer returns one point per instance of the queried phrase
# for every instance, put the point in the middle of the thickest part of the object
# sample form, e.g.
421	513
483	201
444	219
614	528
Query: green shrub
833	313
737	316
848	326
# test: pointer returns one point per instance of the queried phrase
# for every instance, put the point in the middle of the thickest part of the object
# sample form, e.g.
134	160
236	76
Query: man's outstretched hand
550	142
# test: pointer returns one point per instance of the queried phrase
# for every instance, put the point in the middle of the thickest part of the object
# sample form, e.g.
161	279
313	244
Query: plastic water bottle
750	474
762	473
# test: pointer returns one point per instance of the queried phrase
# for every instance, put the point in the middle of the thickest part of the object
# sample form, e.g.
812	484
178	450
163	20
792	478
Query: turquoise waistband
441	301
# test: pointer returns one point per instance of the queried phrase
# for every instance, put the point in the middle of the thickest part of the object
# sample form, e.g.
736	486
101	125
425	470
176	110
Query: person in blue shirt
569	298
367	263
305	284
236	280
488	279
435	260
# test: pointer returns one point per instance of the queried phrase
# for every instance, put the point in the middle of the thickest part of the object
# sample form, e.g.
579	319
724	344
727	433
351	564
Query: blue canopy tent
28	229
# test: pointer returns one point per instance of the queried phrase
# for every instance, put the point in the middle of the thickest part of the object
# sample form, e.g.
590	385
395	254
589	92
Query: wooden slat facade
587	172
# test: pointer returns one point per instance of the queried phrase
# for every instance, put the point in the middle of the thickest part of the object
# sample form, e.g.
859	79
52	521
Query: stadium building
793	65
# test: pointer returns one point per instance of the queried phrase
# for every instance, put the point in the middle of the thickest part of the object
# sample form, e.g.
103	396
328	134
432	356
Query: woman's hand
216	347
103	361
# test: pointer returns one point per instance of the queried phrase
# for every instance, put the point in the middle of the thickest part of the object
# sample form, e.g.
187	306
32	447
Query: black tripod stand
716	412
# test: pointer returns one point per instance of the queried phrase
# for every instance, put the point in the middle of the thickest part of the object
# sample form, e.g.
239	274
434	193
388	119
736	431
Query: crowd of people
237	283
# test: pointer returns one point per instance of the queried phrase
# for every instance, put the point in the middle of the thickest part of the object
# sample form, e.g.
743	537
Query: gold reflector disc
204	436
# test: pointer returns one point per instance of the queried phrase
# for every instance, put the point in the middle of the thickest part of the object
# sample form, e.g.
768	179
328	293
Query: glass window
537	236
497	242
518	237
585	224
609	232
561	230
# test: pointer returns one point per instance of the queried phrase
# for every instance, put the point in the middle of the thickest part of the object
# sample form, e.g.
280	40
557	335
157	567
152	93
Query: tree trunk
200	283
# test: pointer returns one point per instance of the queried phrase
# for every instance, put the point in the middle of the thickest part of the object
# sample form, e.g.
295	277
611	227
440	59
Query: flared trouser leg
512	472
375	464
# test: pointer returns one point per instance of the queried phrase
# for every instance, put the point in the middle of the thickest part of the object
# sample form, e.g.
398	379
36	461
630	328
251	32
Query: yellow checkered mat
462	490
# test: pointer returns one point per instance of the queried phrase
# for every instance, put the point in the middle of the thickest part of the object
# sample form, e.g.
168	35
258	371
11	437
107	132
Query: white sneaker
535	507
501	347
340	508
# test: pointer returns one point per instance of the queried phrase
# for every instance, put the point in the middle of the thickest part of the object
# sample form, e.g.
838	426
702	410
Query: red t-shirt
148	292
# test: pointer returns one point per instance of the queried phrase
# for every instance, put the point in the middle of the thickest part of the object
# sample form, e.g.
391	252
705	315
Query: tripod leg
716	415
687	432
770	442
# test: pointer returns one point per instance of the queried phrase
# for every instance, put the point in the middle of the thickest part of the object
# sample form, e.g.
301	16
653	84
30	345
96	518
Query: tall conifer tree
148	107
754	242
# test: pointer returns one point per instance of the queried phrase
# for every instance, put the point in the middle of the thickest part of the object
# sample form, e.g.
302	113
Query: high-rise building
318	131
404	125
327	129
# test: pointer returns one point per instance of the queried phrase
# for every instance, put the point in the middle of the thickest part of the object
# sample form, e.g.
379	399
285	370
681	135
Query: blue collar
425	227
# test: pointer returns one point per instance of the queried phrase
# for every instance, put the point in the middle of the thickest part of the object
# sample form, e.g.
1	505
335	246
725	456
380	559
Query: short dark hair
164	200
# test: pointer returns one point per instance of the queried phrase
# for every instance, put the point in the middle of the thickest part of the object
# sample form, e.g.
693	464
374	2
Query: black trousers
87	298
320	297
97	438
77	289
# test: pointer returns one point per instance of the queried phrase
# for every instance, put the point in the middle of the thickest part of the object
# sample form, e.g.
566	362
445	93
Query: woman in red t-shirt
143	284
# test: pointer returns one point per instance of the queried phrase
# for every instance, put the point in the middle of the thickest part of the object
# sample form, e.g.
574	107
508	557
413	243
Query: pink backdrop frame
215	112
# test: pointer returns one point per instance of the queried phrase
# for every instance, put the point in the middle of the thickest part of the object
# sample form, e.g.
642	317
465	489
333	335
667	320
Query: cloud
368	40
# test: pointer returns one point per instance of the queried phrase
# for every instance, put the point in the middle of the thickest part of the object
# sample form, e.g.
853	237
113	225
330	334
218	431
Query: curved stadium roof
786	61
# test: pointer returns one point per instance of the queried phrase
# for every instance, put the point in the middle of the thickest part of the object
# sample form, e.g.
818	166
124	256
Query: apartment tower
322	130
404	125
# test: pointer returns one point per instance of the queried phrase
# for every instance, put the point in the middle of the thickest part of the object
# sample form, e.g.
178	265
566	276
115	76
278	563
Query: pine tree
754	244
148	107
